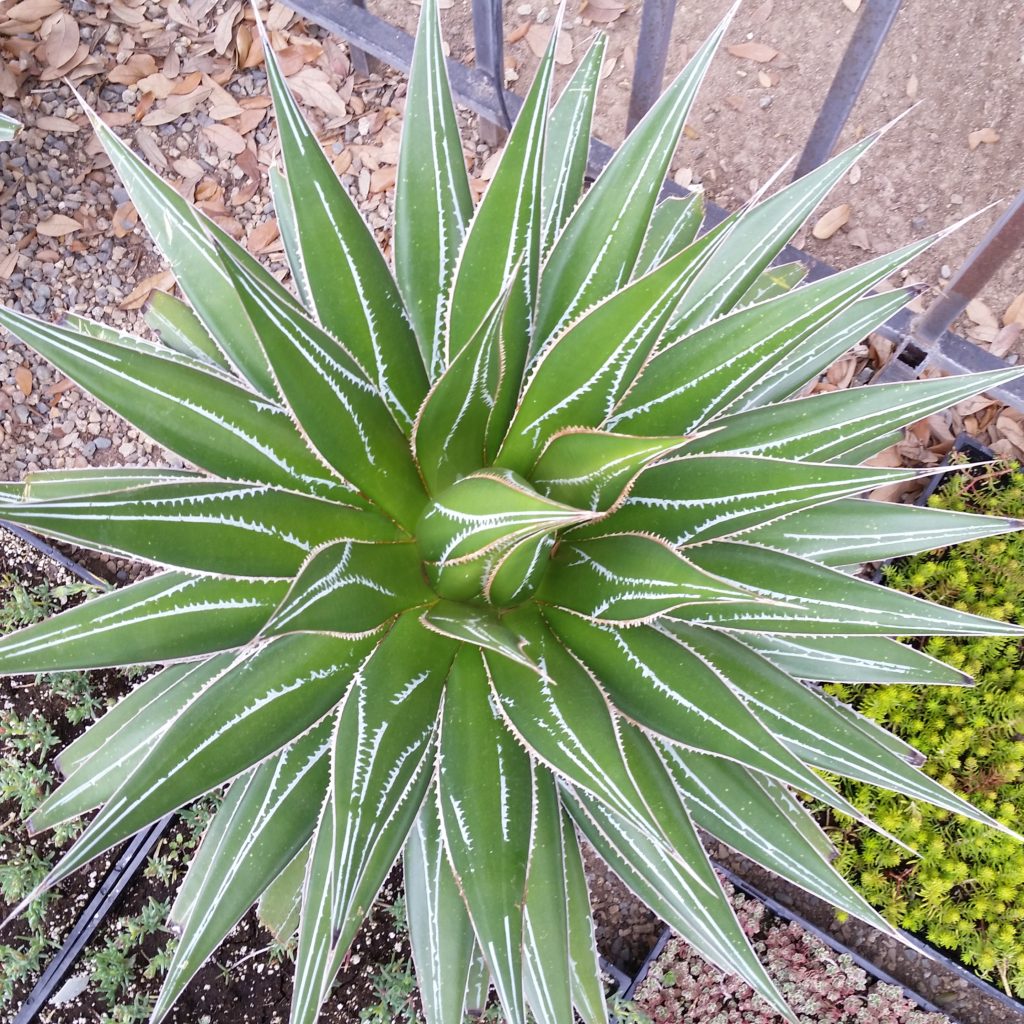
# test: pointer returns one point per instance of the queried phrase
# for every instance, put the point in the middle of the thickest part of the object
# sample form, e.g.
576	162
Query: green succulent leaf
165	618
627	578
485	783
593	469
385	756
612	218
806	428
694	498
537	540
851	659
181	330
568	142
266	818
674	226
190	243
193	411
350	285
440	933
820	600
229	529
851	531
351	589
9	128
430	223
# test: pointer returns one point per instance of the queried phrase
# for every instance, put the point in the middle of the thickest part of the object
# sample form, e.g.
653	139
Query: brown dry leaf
735	102
831	222
313	87
249	48
225	138
683	177
176	106
1015	311
1009	428
518	32
58	387
888	458
62	40
33	10
537	39
158	84
57	225
1005	340
125	14
124	220
183	86
162	281
759	52
225	31
137	67
763	13
206	190
279	17
23	378
841	372
602	12
60	125
982	135
764	79
980	313
939	427
263	236
382	179
8	264
852	5
291	59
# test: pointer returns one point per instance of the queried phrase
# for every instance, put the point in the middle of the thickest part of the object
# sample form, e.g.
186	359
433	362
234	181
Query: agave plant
8	128
522	542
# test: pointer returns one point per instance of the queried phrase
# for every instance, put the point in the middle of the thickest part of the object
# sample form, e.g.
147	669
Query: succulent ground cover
523	545
821	985
963	889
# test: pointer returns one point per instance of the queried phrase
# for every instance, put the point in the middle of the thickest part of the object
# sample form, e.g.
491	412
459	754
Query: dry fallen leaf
1011	430
1004	342
831	222
858	238
518	32
23	378
225	138
57	225
163	280
60	125
982	135
314	88
764	79
852	5
537	39
759	52
980	313
263	236
1015	311
124	220
62	40
33	10
382	179
602	12
137	67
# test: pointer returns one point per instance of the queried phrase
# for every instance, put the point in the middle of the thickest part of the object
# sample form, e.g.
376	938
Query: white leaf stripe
166	618
653	873
854	530
270	695
861	659
45	485
94	780
805	428
816	352
616	210
351	284
171	221
219	426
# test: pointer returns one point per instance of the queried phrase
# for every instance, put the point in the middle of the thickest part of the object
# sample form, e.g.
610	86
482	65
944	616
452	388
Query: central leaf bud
486	539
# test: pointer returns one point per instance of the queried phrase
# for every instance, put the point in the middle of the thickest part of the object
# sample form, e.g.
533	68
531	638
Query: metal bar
868	36
999	243
124	869
489	40
362	62
651	55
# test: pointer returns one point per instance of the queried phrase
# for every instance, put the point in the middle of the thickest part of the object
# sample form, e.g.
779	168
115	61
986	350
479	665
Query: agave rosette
523	543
